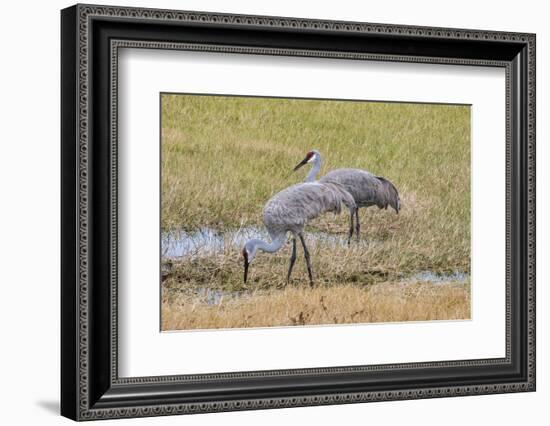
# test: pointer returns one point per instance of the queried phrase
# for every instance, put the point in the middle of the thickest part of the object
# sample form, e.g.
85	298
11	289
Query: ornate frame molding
82	17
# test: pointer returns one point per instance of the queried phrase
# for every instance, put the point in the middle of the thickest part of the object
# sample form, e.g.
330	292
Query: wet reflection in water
208	241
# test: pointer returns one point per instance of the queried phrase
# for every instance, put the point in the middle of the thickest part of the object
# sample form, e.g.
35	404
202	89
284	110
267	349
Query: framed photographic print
263	212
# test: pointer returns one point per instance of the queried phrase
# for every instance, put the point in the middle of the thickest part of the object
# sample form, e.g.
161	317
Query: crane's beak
304	161
245	257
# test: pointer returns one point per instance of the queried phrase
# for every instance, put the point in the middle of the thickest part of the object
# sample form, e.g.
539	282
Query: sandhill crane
367	189
289	211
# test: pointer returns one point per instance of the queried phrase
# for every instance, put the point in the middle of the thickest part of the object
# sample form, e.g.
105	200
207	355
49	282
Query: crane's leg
350	225
357	225
292	259
308	261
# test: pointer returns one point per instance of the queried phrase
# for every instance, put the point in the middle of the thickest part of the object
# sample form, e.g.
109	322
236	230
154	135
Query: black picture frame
90	386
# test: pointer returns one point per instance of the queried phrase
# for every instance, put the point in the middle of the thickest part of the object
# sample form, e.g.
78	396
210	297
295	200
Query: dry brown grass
387	302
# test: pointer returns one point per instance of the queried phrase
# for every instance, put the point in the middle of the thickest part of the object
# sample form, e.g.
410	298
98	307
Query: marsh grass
224	157
294	306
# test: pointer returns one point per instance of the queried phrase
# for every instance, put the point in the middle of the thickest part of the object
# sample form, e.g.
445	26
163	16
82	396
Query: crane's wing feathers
366	188
294	206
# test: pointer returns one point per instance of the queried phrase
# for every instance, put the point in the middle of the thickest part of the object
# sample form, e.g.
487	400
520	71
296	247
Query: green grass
224	157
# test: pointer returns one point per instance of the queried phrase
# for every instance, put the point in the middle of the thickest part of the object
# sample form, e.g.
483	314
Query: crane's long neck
272	247
312	175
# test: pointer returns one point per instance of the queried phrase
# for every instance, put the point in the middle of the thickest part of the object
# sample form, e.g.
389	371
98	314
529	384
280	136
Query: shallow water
437	278
208	241
214	297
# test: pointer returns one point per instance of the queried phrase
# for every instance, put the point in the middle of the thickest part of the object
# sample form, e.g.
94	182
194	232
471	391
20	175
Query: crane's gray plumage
290	210
366	189
294	206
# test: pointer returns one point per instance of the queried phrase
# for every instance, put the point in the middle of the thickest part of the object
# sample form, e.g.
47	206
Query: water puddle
437	278
209	241
213	297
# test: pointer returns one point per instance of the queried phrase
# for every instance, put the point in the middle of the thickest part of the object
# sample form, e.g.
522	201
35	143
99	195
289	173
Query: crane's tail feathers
344	197
392	196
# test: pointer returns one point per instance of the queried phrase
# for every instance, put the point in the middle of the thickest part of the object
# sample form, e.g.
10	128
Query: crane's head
310	157
249	251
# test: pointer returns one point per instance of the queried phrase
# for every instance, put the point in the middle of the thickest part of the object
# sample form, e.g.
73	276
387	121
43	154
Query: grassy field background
224	157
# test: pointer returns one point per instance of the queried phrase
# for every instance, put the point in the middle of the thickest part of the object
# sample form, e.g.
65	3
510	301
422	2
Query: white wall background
29	225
